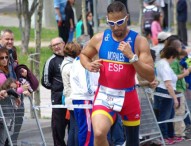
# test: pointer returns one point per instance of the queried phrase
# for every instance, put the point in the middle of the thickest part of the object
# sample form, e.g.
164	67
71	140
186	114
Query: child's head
182	54
9	83
23	72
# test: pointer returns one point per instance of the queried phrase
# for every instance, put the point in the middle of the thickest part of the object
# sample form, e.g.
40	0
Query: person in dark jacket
70	19
182	19
51	79
89	19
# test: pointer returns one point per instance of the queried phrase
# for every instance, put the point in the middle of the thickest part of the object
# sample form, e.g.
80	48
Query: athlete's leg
132	135
101	125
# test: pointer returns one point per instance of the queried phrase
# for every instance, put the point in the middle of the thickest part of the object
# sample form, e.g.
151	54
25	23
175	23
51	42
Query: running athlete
122	53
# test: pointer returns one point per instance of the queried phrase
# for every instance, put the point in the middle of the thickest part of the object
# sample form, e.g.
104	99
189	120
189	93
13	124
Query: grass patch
47	34
45	53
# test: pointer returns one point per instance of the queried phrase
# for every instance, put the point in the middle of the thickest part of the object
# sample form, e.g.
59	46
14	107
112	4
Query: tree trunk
84	17
19	15
26	36
141	16
23	12
174	16
38	28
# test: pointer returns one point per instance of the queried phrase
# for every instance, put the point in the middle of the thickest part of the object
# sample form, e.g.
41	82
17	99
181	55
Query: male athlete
122	53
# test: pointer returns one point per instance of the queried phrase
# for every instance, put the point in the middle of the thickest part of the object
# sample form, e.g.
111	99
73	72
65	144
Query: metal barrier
149	129
20	128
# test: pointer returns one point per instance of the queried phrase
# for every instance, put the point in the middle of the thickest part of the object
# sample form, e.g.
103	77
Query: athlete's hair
117	6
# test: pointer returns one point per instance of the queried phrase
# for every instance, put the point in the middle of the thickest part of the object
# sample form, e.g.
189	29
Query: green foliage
45	53
47	34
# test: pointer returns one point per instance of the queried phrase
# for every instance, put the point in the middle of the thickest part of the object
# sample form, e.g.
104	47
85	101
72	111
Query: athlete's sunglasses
118	22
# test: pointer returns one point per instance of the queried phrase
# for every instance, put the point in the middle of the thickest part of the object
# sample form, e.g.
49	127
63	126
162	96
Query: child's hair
168	52
173	41
72	49
183	53
7	84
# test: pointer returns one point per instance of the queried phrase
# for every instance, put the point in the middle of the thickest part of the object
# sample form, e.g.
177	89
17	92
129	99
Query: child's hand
25	87
3	94
27	93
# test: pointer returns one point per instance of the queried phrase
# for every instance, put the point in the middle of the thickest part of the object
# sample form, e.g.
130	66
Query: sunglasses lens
111	23
120	22
3	57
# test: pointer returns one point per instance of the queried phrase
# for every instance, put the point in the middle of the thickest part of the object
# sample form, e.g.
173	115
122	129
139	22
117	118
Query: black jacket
52	79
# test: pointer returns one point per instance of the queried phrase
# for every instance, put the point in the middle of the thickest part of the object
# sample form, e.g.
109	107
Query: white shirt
165	73
83	82
65	69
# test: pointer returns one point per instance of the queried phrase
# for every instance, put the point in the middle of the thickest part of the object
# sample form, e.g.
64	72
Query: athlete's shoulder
98	36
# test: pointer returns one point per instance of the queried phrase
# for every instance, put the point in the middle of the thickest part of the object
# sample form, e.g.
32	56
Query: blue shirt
186	63
61	4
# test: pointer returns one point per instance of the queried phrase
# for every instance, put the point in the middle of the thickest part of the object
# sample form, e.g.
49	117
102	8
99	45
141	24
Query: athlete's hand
154	84
94	66
125	48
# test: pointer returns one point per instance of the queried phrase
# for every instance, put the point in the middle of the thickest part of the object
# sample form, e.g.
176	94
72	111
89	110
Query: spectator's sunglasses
4	57
118	22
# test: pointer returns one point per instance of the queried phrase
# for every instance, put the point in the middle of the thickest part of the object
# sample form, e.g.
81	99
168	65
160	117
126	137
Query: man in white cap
162	37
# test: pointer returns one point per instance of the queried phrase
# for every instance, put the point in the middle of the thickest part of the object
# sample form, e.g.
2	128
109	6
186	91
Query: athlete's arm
90	51
144	66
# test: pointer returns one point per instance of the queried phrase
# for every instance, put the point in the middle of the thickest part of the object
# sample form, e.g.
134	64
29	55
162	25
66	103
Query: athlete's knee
99	134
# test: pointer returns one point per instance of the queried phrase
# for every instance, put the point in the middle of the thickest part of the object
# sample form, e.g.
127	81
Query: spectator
182	19
162	37
4	72
185	63
164	4
89	19
156	28
24	75
69	21
179	127
79	27
63	31
7	41
121	55
165	98
71	51
51	79
149	11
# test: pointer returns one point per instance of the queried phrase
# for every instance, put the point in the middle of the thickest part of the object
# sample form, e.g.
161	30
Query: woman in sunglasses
4	71
122	53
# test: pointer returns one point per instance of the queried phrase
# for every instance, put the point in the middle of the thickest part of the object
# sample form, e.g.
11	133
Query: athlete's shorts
130	112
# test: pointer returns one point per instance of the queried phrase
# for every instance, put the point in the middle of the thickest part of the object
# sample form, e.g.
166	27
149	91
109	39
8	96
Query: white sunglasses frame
115	22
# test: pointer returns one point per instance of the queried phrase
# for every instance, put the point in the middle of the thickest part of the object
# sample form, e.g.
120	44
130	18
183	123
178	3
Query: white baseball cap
162	36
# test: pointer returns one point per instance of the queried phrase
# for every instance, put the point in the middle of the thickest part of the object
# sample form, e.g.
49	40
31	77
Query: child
24	75
9	103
